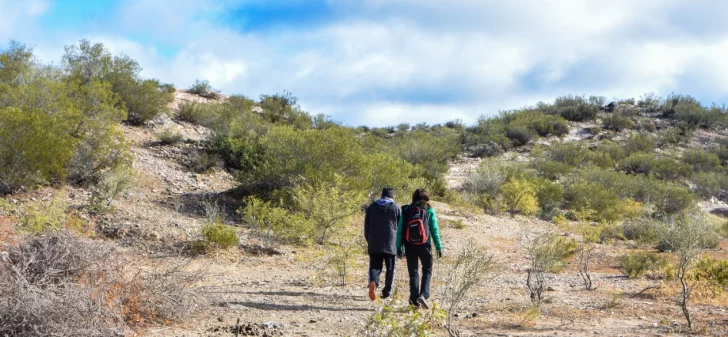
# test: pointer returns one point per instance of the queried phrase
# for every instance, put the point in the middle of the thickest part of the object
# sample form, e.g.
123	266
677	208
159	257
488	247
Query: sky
384	62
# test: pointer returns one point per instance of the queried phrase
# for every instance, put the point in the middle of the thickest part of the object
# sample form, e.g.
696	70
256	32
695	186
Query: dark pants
375	270
415	254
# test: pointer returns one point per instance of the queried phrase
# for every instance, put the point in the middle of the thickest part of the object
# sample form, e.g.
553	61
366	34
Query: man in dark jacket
380	231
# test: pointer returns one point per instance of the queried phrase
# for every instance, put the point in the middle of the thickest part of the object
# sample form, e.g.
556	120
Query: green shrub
283	109
616	122
642	231
676	228
550	196
520	135
143	99
639	143
220	236
702	161
112	183
661	167
552	170
340	206
170	136
203	88
198	113
712	270
46	216
576	108
204	161
519	196
274	224
635	265
708	184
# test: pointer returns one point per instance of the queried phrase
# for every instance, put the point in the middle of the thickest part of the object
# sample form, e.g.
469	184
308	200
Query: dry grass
58	284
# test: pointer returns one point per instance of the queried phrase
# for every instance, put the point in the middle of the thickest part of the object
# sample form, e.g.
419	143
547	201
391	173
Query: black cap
387	192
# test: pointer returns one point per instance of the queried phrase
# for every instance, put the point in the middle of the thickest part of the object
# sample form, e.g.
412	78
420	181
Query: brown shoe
372	291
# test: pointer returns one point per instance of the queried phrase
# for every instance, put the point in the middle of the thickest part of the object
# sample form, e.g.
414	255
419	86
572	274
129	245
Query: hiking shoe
385	296
372	291
423	302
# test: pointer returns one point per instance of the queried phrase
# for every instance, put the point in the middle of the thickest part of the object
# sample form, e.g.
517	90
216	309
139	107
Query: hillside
200	214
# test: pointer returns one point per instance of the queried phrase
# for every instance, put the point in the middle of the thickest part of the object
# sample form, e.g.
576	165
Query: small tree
326	206
544	254
687	235
469	269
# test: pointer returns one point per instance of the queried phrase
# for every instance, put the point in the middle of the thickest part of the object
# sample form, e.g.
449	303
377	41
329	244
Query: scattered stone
313	321
550	289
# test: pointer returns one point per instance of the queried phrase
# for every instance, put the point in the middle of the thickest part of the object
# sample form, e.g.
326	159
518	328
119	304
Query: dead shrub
58	284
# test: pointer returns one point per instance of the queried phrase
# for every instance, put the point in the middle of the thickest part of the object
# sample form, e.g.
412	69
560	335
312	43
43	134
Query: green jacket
434	230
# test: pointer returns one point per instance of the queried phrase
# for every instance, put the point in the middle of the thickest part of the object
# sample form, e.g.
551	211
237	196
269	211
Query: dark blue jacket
380	226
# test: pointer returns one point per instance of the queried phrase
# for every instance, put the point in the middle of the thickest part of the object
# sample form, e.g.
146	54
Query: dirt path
283	294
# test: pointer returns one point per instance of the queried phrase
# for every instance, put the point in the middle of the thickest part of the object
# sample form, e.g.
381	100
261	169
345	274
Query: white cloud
382	62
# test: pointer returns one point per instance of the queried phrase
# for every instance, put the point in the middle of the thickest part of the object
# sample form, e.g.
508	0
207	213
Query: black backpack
417	225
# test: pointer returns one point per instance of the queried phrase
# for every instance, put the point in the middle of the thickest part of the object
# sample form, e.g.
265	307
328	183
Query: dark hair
387	192
420	195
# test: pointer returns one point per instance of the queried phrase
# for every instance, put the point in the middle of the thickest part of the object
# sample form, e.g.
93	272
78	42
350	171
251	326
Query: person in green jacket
414	240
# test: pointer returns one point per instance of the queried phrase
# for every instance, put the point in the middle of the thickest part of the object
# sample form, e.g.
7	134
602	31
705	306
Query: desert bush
635	265
398	319
340	205
576	108
112	183
702	161
204	161
546	253
273	224
639	143
661	167
617	122
470	267
489	149
713	270
520	136
709	184
687	235
519	196
60	285
143	99
607	206
170	136
198	113
204	89
46	216
552	170
284	109
219	236
644	231
550	197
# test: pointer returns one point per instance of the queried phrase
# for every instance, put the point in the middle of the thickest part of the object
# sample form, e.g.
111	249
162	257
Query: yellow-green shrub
275	224
41	217
519	196
635	265
217	235
712	270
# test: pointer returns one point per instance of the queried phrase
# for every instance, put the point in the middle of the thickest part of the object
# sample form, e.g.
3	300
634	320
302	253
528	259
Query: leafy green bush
635	265
217	235
274	224
675	229
552	170
712	270
170	136
576	108
204	161
616	122
520	136
639	143
197	113
46	216
203	88
550	197
113	182
283	109
642	231
702	161
340	205
651	164
519	196
708	184
143	99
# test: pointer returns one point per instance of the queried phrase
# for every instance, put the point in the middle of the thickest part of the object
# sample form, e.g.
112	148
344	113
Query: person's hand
400	253
439	254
